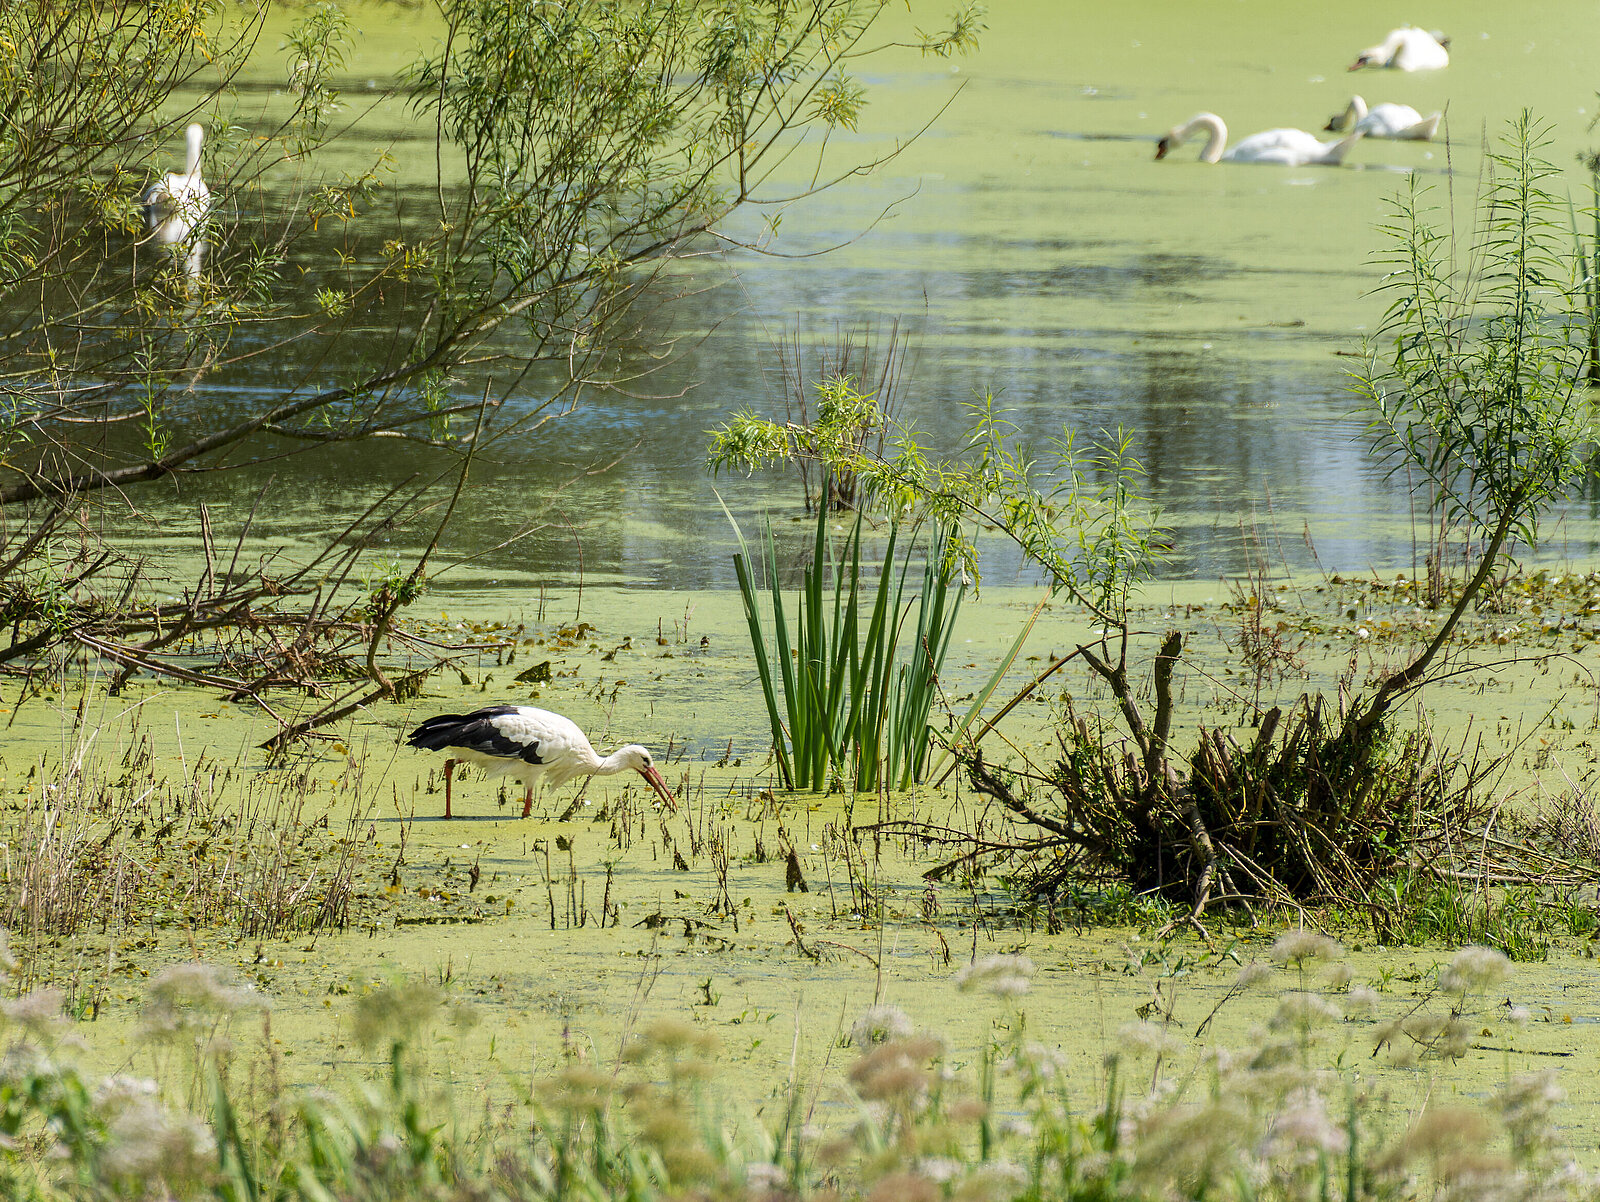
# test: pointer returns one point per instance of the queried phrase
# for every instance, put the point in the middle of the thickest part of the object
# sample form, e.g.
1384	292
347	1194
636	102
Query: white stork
531	744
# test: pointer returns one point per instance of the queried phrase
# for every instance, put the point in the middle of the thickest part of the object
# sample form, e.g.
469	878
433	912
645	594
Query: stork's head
638	758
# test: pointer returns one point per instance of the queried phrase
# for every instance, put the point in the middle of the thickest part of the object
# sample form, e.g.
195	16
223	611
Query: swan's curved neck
191	162
1216	135
1356	113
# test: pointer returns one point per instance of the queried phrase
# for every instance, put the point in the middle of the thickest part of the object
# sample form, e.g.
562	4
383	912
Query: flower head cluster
673	1037
879	1024
1003	976
186	997
1526	1105
897	1070
1474	969
1298	947
1299	1011
397	1013
1303	1132
38	1013
146	1142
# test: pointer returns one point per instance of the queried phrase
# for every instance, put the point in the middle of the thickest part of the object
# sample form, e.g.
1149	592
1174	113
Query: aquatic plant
1476	379
849	686
844	406
101	848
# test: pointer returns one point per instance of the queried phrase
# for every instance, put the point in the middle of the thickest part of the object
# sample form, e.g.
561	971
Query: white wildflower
38	1013
1146	1037
1474	969
939	1168
1298	946
1455	1040
1043	1061
1362	1000
1303	1131
1303	1011
1526	1105
1252	974
878	1024
185	996
145	1141
1003	976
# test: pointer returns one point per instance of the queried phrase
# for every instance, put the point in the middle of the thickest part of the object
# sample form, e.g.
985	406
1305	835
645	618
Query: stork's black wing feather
478	731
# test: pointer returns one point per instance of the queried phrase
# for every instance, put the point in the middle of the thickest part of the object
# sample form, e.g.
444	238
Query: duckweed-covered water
1031	248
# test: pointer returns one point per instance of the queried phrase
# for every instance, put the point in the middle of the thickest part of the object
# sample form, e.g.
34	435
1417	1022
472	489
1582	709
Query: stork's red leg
449	766
527	800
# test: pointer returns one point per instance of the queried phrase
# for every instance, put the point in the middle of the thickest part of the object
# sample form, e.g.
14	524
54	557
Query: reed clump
849	682
98	848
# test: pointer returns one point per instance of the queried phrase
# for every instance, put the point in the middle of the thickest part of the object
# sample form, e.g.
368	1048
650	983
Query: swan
1285	147
1406	49
1385	121
176	203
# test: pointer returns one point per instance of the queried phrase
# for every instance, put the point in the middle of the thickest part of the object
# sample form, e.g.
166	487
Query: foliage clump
1285	815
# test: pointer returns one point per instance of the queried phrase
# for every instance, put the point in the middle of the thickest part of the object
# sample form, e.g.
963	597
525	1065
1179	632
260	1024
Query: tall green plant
847	694
1476	380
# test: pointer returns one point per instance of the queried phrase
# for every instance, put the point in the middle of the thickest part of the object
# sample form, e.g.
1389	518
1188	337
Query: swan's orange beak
660	786
1358	64
1163	146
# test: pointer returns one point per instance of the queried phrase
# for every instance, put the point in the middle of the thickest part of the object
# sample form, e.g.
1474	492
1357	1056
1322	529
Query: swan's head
1166	144
1351	116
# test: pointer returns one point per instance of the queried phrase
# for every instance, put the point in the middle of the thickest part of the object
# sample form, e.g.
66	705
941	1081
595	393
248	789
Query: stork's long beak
660	786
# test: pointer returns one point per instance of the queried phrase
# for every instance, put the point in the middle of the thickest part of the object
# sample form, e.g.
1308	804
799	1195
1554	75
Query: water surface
1033	250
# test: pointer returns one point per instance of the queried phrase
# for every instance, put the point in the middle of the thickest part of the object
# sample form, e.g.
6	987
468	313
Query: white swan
1285	147
1385	121
1406	49
175	204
